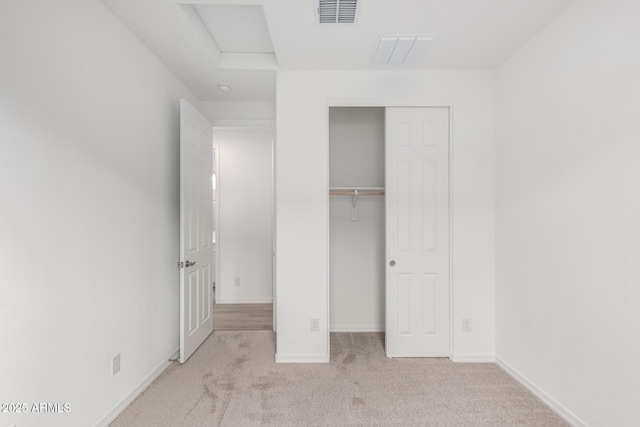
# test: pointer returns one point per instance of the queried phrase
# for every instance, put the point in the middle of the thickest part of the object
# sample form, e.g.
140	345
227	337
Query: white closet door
417	206
196	251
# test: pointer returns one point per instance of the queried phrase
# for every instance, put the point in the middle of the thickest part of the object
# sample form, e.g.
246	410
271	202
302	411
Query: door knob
392	263
189	263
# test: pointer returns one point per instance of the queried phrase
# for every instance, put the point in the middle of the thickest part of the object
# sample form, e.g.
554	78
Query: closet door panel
417	212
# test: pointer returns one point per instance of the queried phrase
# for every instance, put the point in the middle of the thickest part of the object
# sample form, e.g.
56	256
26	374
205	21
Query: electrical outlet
466	325
115	364
315	324
237	281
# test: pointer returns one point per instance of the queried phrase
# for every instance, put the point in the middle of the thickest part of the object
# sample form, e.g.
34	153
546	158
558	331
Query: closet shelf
360	191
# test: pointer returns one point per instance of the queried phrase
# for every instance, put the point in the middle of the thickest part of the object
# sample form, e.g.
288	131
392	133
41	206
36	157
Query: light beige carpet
232	380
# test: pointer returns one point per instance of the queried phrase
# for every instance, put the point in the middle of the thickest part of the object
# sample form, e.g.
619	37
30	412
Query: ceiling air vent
337	11
402	50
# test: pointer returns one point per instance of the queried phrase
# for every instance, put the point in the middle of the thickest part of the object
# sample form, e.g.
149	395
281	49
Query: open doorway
243	228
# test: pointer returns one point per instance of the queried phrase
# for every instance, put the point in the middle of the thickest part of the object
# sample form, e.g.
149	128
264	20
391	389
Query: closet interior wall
357	225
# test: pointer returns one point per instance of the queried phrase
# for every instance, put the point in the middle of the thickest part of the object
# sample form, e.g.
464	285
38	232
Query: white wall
239	113
244	239
89	210
302	202
356	248
356	146
568	235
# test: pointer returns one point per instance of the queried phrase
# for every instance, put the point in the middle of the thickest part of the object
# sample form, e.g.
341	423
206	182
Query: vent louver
337	11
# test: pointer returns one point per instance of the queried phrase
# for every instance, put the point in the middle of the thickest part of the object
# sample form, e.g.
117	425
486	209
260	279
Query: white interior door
196	251
417	209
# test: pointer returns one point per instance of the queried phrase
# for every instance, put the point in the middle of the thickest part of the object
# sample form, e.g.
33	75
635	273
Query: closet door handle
392	263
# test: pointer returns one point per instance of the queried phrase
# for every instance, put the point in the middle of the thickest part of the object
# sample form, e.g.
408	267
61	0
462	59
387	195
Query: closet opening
356	231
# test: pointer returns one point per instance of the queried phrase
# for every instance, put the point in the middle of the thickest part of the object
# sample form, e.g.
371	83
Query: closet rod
348	191
356	188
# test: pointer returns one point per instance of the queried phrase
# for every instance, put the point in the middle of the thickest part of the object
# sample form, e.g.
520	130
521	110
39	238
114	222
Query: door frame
395	102
215	147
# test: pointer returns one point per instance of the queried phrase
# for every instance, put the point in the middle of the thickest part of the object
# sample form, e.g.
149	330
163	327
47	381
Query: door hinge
180	264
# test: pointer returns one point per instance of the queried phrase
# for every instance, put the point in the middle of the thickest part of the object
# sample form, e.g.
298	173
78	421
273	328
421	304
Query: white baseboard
561	410
245	301
356	328
302	358
473	357
146	382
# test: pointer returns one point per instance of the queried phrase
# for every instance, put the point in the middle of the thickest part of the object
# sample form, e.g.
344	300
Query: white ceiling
470	34
236	29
